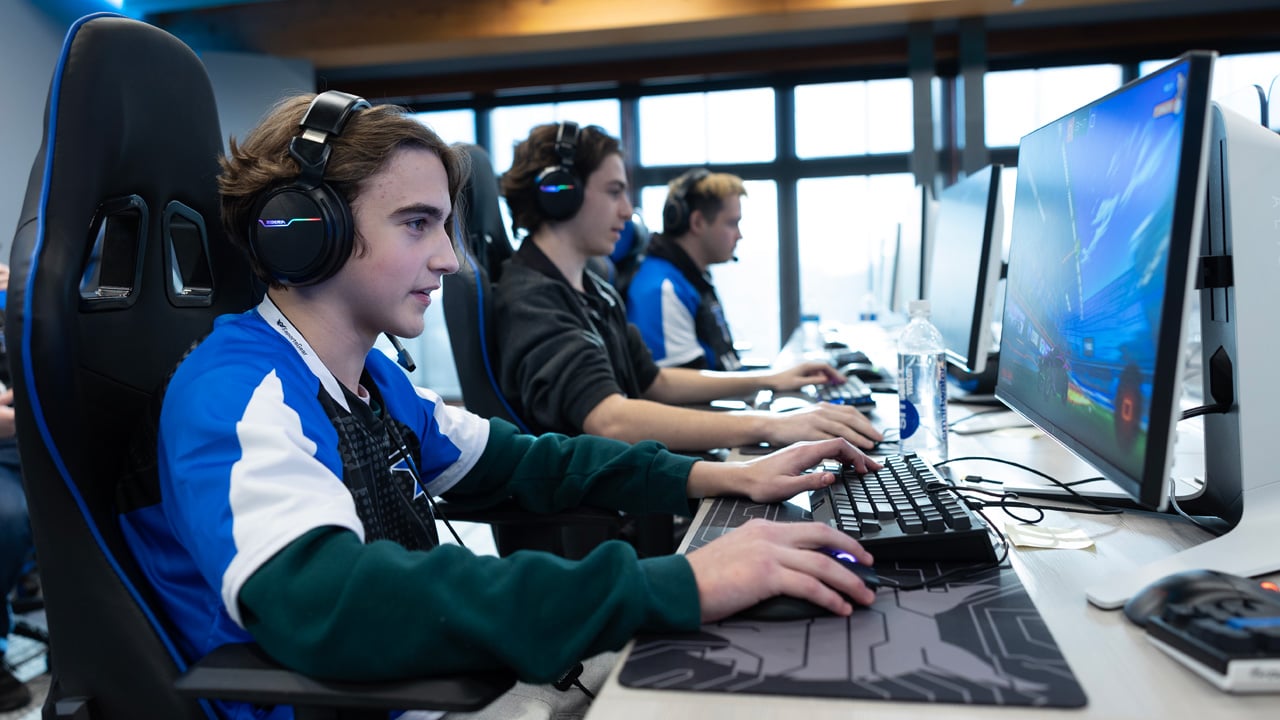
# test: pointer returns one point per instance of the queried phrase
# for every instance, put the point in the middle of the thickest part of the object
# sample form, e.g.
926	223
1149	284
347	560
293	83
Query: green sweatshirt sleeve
551	472
331	606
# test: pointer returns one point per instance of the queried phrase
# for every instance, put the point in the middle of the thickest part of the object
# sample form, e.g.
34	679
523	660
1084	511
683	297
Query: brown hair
262	163
537	153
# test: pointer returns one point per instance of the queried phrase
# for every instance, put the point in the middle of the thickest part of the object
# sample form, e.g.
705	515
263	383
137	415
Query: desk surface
1122	674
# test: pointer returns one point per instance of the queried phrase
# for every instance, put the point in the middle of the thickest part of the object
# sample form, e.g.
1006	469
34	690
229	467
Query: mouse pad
976	641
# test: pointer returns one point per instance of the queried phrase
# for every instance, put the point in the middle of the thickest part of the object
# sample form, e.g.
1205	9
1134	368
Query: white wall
30	42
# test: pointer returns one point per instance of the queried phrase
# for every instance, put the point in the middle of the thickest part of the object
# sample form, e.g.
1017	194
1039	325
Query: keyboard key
893	513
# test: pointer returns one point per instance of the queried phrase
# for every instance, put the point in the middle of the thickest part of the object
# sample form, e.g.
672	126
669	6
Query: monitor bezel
1150	486
971	356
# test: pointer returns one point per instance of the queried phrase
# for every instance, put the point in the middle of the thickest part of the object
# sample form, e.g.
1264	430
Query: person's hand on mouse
778	475
762	559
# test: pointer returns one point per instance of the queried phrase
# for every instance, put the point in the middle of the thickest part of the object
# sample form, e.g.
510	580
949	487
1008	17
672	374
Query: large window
847	177
854	118
512	124
1019	101
729	126
748	287
846	226
453	126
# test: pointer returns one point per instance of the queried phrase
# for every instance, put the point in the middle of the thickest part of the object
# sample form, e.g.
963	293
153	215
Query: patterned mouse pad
977	641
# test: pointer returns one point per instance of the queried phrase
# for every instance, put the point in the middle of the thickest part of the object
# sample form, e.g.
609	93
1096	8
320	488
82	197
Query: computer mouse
865	372
785	607
844	357
834	345
1190	587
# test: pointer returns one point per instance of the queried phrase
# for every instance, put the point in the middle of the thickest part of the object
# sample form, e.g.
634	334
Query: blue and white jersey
259	444
676	308
662	303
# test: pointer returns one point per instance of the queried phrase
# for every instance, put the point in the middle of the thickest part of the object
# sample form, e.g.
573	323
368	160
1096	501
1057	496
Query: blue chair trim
28	377
484	345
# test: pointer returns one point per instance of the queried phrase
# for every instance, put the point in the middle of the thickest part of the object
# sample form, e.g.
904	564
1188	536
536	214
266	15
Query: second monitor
965	273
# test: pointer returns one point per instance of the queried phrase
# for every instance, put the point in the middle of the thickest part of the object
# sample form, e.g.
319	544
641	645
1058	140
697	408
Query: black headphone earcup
302	235
559	193
673	212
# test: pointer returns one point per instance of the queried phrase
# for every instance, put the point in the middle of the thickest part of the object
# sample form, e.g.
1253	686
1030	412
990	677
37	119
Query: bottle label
908	419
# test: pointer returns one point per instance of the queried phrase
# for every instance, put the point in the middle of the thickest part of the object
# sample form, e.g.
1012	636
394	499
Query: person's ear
698	222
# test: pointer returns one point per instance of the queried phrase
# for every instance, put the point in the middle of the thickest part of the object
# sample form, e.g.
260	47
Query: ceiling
397	47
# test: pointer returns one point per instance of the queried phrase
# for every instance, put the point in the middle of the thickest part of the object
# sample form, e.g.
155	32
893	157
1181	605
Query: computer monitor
966	261
911	271
1108	219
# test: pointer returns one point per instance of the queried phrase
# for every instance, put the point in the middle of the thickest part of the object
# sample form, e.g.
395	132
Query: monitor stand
1238	321
974	388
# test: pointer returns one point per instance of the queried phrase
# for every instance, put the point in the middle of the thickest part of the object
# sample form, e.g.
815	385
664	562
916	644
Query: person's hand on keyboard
821	420
806	373
778	475
762	559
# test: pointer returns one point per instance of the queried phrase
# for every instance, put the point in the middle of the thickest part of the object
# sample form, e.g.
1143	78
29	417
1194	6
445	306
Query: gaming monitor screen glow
1106	214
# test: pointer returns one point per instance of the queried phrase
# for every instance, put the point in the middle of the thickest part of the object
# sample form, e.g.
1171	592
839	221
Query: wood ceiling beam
353	34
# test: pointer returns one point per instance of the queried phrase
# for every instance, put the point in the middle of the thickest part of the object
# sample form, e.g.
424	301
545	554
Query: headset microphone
402	355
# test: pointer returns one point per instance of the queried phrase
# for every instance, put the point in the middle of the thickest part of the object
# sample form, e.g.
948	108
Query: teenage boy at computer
296	464
571	362
671	298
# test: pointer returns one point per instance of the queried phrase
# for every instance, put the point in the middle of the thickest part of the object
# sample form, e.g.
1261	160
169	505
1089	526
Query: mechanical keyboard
853	392
894	515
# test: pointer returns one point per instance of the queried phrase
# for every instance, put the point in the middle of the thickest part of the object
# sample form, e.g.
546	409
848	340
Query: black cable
417	477
971	416
1215	409
1098	508
1173	502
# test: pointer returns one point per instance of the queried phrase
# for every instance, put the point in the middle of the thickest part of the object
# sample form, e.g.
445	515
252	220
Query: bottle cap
916	306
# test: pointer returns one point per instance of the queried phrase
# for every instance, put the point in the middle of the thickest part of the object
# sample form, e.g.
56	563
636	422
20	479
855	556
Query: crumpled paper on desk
1047	536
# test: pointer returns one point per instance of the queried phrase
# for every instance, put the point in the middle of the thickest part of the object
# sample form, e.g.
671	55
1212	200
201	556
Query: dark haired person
569	359
296	464
671	298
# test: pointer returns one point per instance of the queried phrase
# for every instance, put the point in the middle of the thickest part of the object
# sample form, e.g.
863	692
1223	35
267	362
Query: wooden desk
1121	673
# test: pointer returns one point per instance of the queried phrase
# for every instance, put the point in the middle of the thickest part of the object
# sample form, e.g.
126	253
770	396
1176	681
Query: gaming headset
675	212
557	188
302	232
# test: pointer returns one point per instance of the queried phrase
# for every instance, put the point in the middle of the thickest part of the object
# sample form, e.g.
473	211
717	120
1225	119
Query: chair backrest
468	293
627	254
119	264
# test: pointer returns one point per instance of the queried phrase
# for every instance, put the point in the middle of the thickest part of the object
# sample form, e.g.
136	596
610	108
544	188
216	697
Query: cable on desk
980	413
1097	508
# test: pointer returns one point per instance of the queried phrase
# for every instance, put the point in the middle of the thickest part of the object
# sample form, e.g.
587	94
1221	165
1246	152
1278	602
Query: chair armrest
244	673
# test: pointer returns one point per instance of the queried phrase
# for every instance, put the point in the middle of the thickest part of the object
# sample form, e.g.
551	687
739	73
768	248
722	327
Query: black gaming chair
118	264
483	246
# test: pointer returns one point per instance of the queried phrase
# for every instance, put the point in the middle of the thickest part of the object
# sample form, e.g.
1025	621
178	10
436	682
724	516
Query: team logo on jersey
402	469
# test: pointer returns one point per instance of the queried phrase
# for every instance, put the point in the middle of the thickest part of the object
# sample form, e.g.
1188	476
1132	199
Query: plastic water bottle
922	386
